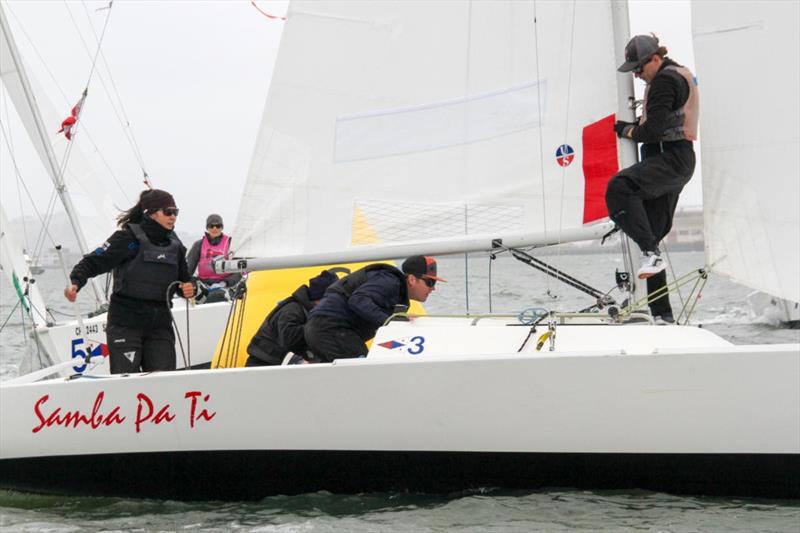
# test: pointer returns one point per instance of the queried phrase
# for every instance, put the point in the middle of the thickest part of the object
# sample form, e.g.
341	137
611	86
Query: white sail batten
464	244
751	141
426	121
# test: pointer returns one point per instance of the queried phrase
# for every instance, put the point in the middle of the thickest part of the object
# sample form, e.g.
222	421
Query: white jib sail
750	127
405	121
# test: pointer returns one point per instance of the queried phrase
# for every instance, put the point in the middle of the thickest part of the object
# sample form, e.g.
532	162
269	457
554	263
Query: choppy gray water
514	287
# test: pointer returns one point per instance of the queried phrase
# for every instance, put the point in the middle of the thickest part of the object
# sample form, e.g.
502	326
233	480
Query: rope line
566	130
539	111
273	17
116	105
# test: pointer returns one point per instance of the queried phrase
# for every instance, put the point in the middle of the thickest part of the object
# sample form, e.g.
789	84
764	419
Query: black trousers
132	350
642	198
330	338
255	361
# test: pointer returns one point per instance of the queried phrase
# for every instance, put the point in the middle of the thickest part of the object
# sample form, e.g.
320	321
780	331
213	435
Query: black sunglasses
429	282
640	68
170	211
215	226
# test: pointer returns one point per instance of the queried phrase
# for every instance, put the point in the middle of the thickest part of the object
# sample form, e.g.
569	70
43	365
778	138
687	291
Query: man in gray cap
641	199
203	252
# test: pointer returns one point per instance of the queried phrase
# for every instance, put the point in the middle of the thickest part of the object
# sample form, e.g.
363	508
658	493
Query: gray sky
193	78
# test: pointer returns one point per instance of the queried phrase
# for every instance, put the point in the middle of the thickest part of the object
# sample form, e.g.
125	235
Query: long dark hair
135	214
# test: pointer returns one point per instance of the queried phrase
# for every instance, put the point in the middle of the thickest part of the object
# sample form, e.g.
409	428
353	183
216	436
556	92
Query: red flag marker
68	123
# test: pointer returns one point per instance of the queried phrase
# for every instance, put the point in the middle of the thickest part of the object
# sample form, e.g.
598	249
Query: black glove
622	128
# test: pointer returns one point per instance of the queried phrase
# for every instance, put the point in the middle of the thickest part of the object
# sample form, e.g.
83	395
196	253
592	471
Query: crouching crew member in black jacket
282	330
147	259
355	307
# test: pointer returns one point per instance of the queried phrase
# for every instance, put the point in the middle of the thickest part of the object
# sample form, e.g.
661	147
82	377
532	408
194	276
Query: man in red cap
355	307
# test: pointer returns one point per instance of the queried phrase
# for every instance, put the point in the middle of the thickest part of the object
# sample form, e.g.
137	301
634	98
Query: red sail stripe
599	165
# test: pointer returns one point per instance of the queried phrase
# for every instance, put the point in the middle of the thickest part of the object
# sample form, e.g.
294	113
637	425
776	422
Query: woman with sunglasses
353	308
148	261
213	244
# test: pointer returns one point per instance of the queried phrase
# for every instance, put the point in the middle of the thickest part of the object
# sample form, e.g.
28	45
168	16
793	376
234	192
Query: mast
38	135
625	111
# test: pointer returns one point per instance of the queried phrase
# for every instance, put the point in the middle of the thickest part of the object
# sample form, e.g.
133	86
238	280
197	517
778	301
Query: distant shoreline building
687	229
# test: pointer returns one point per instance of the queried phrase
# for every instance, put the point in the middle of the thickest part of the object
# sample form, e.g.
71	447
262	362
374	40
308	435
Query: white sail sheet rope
415	124
751	141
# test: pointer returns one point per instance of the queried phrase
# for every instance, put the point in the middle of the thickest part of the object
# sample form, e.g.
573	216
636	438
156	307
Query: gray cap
638	51
213	219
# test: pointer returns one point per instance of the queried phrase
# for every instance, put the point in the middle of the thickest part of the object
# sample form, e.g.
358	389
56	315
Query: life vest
345	287
208	252
264	344
148	275
682	122
348	284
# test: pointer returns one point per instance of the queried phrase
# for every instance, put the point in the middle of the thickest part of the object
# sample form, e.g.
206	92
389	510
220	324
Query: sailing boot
652	264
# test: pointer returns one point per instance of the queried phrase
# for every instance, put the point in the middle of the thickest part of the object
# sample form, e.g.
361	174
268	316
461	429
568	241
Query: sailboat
505	110
91	219
33	266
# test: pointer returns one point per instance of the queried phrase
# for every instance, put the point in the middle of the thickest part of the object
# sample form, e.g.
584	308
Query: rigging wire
60	183
92	70
10	314
10	146
539	111
566	131
66	101
44	231
672	273
123	119
20	181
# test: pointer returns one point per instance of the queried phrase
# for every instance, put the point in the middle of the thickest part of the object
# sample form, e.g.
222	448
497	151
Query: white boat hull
711	420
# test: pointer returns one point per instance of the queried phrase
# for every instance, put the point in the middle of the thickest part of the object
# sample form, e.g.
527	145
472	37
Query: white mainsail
751	141
419	121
